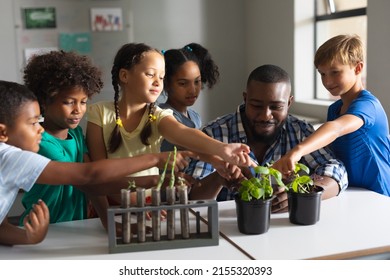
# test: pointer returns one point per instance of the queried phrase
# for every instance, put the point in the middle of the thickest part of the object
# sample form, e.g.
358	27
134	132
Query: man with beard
262	121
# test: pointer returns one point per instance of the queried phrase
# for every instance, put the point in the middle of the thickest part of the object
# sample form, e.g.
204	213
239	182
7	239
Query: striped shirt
18	170
229	129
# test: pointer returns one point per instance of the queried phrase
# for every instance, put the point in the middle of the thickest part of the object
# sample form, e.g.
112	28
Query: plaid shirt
229	129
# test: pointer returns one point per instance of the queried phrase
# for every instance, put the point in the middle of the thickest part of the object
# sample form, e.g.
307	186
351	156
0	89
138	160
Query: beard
267	139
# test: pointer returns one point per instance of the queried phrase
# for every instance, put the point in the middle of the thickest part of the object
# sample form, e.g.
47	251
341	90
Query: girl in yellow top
132	124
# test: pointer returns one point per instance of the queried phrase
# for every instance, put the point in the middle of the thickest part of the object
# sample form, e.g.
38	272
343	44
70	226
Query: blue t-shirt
365	152
193	120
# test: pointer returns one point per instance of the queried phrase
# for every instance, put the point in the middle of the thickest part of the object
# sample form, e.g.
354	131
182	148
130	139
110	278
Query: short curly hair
13	97
54	72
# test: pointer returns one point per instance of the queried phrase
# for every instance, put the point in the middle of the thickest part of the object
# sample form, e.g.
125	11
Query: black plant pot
304	208
253	217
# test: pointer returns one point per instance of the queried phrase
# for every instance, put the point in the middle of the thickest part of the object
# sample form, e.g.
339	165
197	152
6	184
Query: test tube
184	213
141	220
171	197
126	217
156	214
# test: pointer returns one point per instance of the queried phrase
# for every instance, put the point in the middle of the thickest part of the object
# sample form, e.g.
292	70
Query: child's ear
3	133
359	68
123	75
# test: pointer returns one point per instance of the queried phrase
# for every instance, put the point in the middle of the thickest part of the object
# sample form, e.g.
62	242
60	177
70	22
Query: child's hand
286	164
182	159
238	154
226	170
36	223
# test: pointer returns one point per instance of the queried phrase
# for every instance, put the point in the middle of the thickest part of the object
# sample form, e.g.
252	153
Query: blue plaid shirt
229	129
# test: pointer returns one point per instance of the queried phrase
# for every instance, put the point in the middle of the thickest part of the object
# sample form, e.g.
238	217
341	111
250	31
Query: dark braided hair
147	130
174	58
128	56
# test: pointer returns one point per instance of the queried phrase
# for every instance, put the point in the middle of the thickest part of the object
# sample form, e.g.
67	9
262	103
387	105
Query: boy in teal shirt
63	82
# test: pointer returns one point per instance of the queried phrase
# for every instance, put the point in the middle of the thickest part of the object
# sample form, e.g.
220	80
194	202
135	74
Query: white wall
8	66
378	51
240	34
269	34
174	23
161	24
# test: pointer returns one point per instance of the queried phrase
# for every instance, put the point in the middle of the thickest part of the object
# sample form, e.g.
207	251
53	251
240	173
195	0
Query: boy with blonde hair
357	128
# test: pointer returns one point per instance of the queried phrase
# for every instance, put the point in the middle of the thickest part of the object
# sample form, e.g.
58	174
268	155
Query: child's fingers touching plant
238	154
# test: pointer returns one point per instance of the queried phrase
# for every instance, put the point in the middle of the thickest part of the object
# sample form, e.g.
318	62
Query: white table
355	223
87	239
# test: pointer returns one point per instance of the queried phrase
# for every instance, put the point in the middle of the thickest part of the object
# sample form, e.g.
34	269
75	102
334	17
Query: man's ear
3	133
290	100
244	96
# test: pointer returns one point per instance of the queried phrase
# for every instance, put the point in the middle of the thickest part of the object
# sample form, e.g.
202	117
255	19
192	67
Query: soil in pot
253	217
304	208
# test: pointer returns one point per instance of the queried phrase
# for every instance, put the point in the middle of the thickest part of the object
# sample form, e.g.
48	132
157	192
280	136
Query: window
333	17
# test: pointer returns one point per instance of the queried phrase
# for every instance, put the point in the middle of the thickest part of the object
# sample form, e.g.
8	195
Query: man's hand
280	202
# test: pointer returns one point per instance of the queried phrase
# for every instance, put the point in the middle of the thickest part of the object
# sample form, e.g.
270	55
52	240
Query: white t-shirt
18	170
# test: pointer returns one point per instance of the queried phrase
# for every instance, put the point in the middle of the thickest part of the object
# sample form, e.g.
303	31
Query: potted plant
253	200
304	198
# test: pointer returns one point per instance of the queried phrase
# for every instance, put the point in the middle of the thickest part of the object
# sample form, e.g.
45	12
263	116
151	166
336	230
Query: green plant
162	176
260	186
300	181
131	185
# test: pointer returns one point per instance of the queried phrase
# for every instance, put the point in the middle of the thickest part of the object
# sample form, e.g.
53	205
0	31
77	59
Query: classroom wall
161	24
378	47
241	36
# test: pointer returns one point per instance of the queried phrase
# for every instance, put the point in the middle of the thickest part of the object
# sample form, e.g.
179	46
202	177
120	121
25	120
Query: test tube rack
198	238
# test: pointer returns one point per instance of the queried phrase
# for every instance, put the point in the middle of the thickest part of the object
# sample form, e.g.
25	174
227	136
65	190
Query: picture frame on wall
40	17
106	19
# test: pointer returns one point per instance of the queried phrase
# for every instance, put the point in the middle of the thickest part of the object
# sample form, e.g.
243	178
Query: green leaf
262	170
268	191
245	196
305	180
172	179
278	176
301	166
162	176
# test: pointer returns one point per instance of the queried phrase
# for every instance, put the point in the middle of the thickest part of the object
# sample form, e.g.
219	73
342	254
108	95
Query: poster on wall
40	18
78	42
106	19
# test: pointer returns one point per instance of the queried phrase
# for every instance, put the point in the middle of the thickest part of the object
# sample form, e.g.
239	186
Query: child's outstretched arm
197	141
34	231
323	136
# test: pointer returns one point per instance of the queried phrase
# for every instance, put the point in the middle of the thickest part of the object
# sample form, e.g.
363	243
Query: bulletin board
63	28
